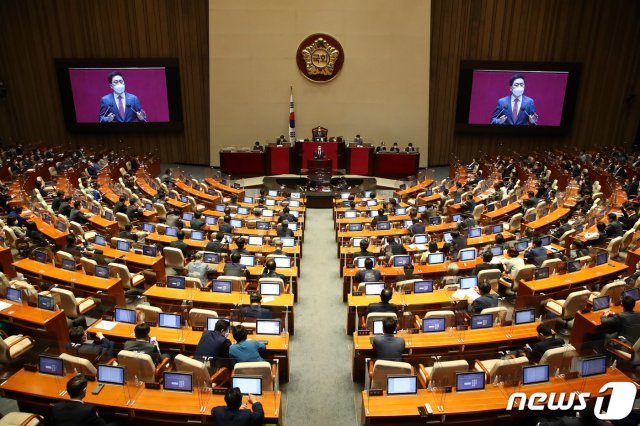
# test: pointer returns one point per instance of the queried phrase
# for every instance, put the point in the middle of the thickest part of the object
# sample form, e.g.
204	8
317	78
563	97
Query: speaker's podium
320	171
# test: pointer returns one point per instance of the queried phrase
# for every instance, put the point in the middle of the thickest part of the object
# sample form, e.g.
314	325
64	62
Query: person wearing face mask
120	106
515	109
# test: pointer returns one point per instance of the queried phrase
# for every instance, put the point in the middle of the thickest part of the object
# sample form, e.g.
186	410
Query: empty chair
77	230
626	239
613	290
613	248
449	318
382	369
523	274
514	223
173	258
199	371
88	265
78	365
441	373
237	283
198	317
566	309
16	418
162	211
559	359
72	306
193	282
128	279
375	316
502	369
477	212
552	264
139	365
122	219
624	351
406	285
261	368
284	288
491	276
12	347
499	313
148	313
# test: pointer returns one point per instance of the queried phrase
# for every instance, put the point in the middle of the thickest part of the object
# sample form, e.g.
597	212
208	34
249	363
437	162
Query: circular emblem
320	58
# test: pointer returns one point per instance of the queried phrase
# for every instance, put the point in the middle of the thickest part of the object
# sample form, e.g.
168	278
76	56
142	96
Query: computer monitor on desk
175	281
169	320
425	286
593	366
373	289
402	385
14	295
123	245
467	255
270	327
50	365
433	325
127	316
602	258
401	260
534	374
111	374
174	381
468	282
435	258
247	384
524	316
481	321
470	381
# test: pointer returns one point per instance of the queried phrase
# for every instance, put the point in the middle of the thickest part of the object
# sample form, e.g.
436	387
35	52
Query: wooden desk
36	322
225	189
208	199
35	392
6	262
412	190
60	238
48	272
445	343
490	217
106	227
528	289
481	407
588	326
548	220
138	261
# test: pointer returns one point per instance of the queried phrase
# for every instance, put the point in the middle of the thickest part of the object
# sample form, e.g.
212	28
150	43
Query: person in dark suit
381	148
458	242
625	324
235	269
560	230
269	270
214	343
197	223
134	212
234	414
225	227
181	245
364	249
57	200
75	412
394	247
216	245
286	215
383	305
629	216
368	274
487	257
614	228
119	106
515	109
388	346
394	147
240	243
319	154
255	309
418	227
81	346
381	217
486	299
142	343
283	230
120	206
65	206
537	254
547	341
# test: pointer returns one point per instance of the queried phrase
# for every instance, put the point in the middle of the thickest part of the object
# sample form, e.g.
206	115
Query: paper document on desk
105	325
420	247
469	293
4	305
268	299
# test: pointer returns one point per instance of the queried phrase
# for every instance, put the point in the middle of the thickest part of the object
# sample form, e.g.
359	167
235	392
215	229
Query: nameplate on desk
161	284
198	328
205	289
30	367
375	392
218	391
571	375
356	293
363	332
90	377
414	331
407	292
107	317
151	385
250	331
151	323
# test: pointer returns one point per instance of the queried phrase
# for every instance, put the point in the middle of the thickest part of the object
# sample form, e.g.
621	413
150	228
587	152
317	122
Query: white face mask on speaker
118	88
517	91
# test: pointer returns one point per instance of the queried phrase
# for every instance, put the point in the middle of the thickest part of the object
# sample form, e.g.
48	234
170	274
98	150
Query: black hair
368	263
235	257
76	334
628	303
180	235
255	297
386	295
239	333
113	74
388	326
233	399
487	256
544	329
221	325
142	330
514	78
76	385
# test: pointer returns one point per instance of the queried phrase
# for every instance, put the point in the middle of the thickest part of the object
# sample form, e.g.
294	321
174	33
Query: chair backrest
449	317
406	285
76	229
584	260
137	364
613	289
507	369
237	283
382	369
198	370
499	313
122	219
122	272
52	171
148	313
65	300
78	365
198	316
10	236
260	368
560	359
553	265
88	265
444	373
374	316
491	276
162	212
614	247
565	235
193	282
575	301
63	255
477	211
173	257
523	274
626	239
514	223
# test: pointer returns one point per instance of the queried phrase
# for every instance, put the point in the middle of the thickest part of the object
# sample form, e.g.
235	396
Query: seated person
408	273
240	243
286	215
214	343
601	239
626	324
433	248
181	245
383	305
245	350
81	346
120	206
277	243
216	245
142	342
34	234
225	227
368	274
255	309
269	270
512	263
487	257
74	411
418	227
536	254
197	223
451	277
235	269
198	269
283	230
127	233
388	346
547	341
614	228
76	215
382	217
578	249
486	299
72	248
235	414
394	247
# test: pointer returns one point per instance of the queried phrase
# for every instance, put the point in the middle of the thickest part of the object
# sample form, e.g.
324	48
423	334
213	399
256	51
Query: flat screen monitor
491	207
127	316
272	193
255	240
247	260
524	316
262	225
296	195
468	282
573	266
14	295
210	220
633	293
148	227
100	240
221	286
428	192
503	203
269	327
481	321
602	258
46	218
407	223
108	215
372	203
355	227
541	273
456	218
61	226
433	325
497	229
401	260
169	320
294	203
267	213
457	199
248	200
243	211
378	327
467	254
175	281
210	257
373	213
288	241
533	374
355	242
435	258
401	211
602	302
46	302
111	374
148	206
101	271
470	381
545	240
187	216
293	226
95	209
344	196
220	208
211	322
282	262
447	237
435	220
197	235
68	264
247	384
402	385
496	251
420	239
270	202
270	288
123	245
236	223
359	261
521	245
425	286
171	232
531	217
373	289
51	365
475	232
184	199
593	366
40	256
422	208
175	381
383	226
149	250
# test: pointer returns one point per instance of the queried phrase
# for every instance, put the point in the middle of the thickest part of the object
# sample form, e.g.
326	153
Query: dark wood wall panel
34	32
602	35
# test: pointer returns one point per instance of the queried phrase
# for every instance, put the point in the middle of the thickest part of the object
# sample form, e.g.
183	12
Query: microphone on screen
107	110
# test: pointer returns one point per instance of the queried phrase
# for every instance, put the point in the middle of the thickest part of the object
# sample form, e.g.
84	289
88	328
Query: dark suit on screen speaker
109	104
504	107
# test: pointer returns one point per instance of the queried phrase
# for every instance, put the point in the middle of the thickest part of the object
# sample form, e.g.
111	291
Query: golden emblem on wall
320	57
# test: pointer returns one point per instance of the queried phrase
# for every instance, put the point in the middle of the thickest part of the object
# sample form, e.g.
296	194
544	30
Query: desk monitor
541	273
272	193
456	218
373	213
468	282
447	237
270	202
211	322
432	325
111	374
497	229
68	264
372	203
524	316
100	240
282	262
513	198
469	381
355	227
435	220
108	215
171	195
296	195
269	327
247	260
407	223
101	271
401	260
634	293
420	239
227	239
467	254
197	235
295	213
175	281
262	225
591	221
422	208
148	206
95	209
602	302
40	256
503	203
187	216
148	227
593	366
373	289
84	204
14	295
221	286
428	192
602	258
533	374
267	213
293	226
435	258
521	245
378	328
366	194
402	385
288	241
270	288
344	195
46	218
127	316
496	251
210	220
544	211
220	208
255	240
545	240
355	241
51	365
248	200
243	211
236	223
184	199
177	381
350	214
425	286
123	245
491	207
247	384
61	226
169	320
573	266
475	232
481	321
359	261
149	250
531	217
46	302
457	199
401	210
210	257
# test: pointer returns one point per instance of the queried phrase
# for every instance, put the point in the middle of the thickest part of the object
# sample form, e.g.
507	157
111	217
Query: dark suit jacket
484	266
75	413
626	324
119	208
197	224
284	232
255	312
368	275
381	307
108	104
483	302
223	416
143	347
417	228
214	246
182	246
320	156
65	209
234	270
614	229
541	347
504	108
388	347
213	344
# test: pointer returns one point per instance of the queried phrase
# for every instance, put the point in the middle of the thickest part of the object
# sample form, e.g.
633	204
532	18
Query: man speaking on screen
120	106
516	109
